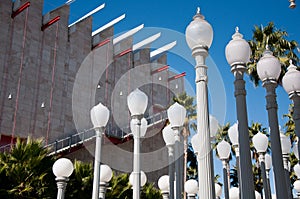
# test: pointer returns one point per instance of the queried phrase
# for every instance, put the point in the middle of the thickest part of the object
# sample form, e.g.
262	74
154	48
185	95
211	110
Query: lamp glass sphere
143	178
213	126
223	149
257	195
238	49
268	161
285	144
268	67
176	114
191	186
168	135
260	142
295	150
297	170
233	133
297	185
291	79
199	32
218	190
99	115
234	193
62	167
163	183
196	143
105	174
137	102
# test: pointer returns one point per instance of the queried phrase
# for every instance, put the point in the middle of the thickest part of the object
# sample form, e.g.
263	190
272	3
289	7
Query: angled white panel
128	34
88	14
113	22
70	1
146	41
163	49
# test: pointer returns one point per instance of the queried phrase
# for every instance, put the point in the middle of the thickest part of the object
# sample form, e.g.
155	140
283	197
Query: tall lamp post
62	169
223	149
176	114
291	84
268	69
163	185
105	177
169	138
137	103
199	36
237	54
191	188
260	142
99	117
286	149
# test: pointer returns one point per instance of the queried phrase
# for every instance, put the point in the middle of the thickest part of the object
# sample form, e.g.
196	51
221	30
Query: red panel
52	21
21	9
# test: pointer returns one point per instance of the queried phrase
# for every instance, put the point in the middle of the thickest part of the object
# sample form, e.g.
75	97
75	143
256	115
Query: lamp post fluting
291	84
169	138
260	142
199	36
99	116
176	114
237	54
268	69
137	102
105	177
223	149
164	186
62	169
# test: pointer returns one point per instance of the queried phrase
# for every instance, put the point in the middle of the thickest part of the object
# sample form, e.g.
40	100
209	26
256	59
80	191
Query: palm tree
277	43
26	171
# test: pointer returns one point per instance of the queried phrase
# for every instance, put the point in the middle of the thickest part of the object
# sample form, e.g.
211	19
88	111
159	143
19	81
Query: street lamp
233	133
143	178
176	115
62	169
291	84
234	193
238	54
137	103
191	188
223	149
199	36
105	177
169	138
218	190
268	69
99	117
260	142
163	185
286	149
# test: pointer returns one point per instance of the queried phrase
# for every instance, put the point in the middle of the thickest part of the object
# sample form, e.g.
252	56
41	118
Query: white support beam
113	22
88	14
162	49
145	42
128	34
70	1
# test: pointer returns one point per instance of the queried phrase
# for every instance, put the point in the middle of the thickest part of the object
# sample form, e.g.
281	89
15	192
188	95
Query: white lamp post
234	193
218	190
291	84
238	54
62	169
233	133
169	138
223	149
191	188
176	114
99	117
137	103
163	185
268	69
199	36
105	177
260	142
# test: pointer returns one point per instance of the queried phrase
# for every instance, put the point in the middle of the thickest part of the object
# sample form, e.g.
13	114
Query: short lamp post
163	185
291	84
286	149
234	193
62	169
238	54
233	133
177	114
137	103
260	142
223	149
269	69
218	190
191	188
99	117
169	138
105	177
199	36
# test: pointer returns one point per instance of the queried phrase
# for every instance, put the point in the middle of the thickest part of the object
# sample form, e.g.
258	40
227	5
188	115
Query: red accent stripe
101	43
160	69
124	52
20	9
49	23
177	76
